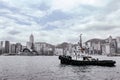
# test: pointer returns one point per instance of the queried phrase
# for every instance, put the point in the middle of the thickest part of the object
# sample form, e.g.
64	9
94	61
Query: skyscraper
1	47
31	38
13	48
30	43
7	46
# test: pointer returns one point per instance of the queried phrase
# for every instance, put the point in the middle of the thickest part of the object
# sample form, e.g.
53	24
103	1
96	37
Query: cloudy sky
56	21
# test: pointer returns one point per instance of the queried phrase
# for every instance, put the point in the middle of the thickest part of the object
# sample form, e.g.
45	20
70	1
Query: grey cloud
101	28
88	10
2	26
8	37
113	6
56	15
4	5
13	32
42	6
49	27
21	22
14	11
16	20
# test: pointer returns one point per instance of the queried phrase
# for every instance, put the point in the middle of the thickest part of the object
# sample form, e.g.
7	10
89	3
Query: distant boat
86	60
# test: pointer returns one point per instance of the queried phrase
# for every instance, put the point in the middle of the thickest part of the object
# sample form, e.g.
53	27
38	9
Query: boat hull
68	60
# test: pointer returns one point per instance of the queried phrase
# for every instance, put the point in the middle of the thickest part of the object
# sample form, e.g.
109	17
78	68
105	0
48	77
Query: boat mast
80	44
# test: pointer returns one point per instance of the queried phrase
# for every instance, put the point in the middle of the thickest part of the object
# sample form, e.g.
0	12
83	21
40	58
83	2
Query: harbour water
49	68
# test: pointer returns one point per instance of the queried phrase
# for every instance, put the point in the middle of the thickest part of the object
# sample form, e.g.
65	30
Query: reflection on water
49	68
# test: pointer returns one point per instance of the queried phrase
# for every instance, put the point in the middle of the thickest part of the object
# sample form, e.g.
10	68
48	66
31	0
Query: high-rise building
38	47
7	46
1	47
13	48
31	38
30	43
18	47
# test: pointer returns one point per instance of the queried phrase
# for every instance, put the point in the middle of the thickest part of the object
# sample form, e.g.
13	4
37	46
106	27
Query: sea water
49	68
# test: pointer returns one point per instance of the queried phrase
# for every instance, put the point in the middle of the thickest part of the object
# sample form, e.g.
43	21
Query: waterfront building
94	46
110	46
47	49
118	44
13	48
31	39
39	46
102	46
106	49
1	47
7	46
44	48
113	45
58	51
23	47
30	43
18	47
67	48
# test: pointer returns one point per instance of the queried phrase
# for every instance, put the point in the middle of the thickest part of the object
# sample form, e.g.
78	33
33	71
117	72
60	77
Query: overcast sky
56	21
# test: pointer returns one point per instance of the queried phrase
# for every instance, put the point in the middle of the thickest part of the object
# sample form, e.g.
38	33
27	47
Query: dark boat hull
68	60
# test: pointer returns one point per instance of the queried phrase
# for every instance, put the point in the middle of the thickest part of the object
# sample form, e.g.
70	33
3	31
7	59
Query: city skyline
108	46
32	38
53	22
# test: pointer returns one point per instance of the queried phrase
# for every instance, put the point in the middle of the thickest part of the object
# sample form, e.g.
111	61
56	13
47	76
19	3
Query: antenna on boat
80	44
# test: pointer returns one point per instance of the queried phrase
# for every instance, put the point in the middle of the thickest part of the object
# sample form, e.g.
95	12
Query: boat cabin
89	58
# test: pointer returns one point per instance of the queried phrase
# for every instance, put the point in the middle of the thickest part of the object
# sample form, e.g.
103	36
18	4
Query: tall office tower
7	46
13	48
1	47
31	38
30	44
32	41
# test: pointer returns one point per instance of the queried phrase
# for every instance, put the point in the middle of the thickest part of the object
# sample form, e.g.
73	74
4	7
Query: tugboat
86	60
